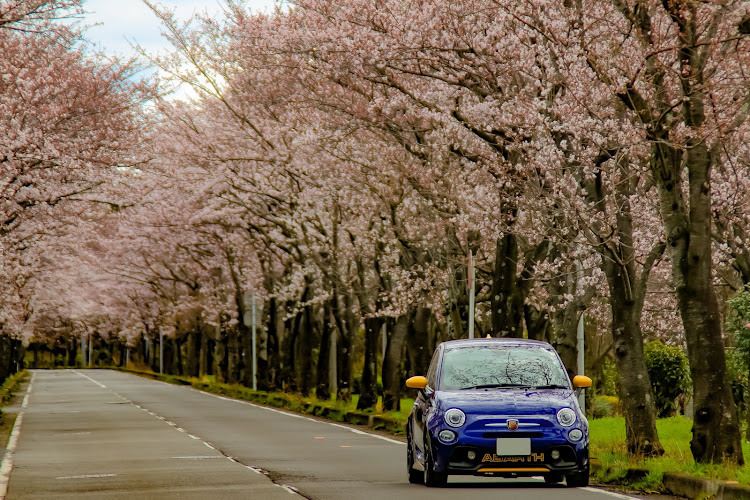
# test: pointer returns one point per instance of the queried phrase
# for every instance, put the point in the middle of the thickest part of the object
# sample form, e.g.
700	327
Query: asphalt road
106	434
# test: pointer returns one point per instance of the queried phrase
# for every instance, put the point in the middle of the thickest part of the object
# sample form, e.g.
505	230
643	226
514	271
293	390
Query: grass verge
607	443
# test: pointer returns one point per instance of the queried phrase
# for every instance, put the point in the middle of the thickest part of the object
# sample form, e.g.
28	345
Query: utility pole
255	367
580	343
161	351
83	349
472	291
248	318
580	338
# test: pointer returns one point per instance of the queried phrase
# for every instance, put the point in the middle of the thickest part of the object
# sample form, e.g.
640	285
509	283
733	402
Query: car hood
507	401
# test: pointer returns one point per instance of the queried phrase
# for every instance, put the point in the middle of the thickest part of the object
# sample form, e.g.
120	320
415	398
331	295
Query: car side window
432	371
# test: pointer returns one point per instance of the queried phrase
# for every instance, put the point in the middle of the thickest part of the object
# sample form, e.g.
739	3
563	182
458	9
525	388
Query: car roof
510	342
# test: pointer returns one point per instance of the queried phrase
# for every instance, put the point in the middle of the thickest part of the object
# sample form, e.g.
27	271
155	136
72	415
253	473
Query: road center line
86	476
254	469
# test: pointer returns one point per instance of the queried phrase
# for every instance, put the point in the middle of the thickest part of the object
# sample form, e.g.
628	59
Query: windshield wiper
495	386
550	386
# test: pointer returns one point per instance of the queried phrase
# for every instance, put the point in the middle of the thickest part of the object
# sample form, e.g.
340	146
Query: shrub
606	406
670	375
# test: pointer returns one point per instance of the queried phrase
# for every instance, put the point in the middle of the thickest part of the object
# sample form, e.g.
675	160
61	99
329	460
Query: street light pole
161	351
472	288
255	367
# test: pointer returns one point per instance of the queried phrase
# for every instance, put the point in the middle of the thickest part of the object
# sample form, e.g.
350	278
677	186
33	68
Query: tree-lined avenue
96	434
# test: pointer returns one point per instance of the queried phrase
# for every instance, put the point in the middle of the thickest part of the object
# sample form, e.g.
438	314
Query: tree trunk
635	385
347	324
177	358
627	295
193	354
507	303
537	323
419	345
233	358
288	351
268	372
323	390
368	390
392	360
304	366
716	429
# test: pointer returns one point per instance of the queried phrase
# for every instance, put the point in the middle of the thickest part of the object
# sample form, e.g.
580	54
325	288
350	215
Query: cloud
120	21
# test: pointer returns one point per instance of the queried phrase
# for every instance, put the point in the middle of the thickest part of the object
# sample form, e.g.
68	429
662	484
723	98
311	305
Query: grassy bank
10	386
608	445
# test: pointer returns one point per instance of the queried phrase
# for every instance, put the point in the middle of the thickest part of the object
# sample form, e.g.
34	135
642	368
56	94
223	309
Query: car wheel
432	478
415	476
553	478
578	479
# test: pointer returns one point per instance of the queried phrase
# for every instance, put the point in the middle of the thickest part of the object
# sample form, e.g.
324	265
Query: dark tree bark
177	343
537	323
507	304
305	336
192	358
233	358
323	389
392	360
268	373
419	344
368	394
346	323
288	352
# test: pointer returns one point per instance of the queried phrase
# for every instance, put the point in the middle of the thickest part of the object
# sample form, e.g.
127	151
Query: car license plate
507	447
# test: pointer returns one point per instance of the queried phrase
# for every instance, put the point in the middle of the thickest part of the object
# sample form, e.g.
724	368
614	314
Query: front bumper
474	453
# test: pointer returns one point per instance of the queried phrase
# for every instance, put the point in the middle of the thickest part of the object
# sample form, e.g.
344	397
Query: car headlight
455	417
575	435
566	417
447	436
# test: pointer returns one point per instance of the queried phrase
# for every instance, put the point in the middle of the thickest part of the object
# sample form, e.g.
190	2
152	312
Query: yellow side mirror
581	381
418	382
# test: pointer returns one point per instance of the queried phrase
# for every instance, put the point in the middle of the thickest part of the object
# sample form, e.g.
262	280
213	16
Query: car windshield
489	366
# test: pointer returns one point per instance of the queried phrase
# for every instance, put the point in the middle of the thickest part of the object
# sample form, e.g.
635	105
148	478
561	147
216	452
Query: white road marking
91	379
288	488
86	476
7	466
208	445
200	457
289	414
609	493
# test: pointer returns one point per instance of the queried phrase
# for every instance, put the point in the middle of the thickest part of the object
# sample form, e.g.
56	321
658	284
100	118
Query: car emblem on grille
512	425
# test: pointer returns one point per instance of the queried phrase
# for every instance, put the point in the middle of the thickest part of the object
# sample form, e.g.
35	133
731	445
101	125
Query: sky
121	20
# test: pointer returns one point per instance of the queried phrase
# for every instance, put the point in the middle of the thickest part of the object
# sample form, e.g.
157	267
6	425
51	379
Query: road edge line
7	464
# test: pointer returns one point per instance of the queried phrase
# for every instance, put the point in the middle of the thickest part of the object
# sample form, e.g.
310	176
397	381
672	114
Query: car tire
553	478
415	476
578	479
432	478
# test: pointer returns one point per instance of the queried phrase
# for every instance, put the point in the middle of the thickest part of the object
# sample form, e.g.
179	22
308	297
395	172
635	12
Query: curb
685	485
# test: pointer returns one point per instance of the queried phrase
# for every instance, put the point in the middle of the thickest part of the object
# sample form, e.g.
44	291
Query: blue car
497	407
